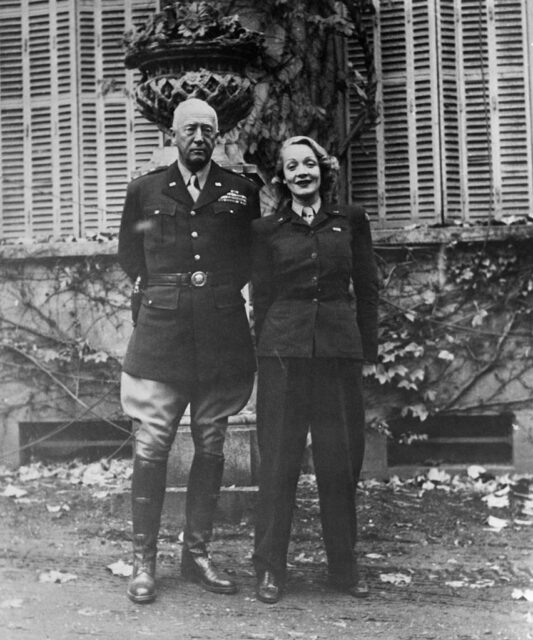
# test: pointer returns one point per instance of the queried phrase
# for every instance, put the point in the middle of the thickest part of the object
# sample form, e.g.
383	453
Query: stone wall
455	324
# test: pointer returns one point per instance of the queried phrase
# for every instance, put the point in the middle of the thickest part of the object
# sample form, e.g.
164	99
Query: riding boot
147	493
202	495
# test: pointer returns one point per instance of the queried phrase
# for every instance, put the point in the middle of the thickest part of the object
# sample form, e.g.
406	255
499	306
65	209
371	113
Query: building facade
452	144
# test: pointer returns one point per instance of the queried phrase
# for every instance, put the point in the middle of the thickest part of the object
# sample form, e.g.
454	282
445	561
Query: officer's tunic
187	332
315	292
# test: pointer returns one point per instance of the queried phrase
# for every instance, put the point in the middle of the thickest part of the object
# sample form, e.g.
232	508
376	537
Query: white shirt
201	174
297	207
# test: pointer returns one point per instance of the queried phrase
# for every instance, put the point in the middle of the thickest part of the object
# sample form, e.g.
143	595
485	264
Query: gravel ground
438	559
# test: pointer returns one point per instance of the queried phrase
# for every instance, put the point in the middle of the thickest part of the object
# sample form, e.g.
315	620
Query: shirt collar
201	173
297	207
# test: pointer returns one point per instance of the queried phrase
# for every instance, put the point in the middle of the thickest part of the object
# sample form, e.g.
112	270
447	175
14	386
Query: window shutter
453	140
12	206
146	136
122	142
41	123
447	150
70	138
401	176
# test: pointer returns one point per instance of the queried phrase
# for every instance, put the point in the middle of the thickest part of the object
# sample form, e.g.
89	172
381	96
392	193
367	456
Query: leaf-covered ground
446	558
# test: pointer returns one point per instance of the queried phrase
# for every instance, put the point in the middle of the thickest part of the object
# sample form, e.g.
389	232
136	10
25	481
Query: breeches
156	409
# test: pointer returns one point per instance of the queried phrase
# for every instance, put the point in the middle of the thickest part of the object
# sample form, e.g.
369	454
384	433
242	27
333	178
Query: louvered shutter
453	140
13	205
117	141
407	178
496	109
146	136
70	138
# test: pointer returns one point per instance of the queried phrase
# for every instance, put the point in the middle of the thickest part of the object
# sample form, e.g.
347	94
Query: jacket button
149	302
194	234
193	213
314	279
197	257
314	255
315	300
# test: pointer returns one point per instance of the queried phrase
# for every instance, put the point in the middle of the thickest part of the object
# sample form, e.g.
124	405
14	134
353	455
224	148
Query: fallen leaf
88	611
12	603
527	508
438	475
455	584
57	576
482	584
496	524
56	508
475	470
14	492
374	556
120	568
395	578
522	594
100	495
496	502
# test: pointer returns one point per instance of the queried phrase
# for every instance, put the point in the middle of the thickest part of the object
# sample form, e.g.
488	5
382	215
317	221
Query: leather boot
202	495
147	493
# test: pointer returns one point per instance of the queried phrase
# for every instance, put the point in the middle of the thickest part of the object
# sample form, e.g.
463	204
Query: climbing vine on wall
304	75
456	328
59	325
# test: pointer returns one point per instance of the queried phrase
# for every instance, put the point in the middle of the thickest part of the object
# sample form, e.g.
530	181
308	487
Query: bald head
193	108
195	126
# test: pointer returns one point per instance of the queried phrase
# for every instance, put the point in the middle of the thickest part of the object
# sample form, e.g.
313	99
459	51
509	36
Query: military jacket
315	287
185	333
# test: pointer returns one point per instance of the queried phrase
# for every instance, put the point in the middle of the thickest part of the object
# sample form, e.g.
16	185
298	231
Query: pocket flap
159	209
226	207
161	297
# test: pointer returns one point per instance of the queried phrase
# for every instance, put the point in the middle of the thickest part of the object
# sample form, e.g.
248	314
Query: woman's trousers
295	395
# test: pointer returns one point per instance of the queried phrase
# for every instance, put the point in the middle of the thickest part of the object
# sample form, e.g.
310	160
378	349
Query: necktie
194	187
308	214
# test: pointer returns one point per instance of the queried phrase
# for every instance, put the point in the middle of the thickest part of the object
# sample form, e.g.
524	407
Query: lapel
326	212
215	186
175	187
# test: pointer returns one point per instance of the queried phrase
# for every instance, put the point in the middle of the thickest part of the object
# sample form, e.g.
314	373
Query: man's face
195	136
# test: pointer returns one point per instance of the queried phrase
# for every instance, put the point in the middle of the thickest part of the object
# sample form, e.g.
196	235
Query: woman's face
301	172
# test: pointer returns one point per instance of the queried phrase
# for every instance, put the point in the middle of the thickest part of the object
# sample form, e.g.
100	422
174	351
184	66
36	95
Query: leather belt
189	279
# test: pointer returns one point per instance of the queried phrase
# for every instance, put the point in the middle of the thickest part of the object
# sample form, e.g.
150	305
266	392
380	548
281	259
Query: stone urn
208	71
191	50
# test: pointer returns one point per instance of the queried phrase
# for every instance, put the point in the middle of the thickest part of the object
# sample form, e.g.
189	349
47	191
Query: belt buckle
198	279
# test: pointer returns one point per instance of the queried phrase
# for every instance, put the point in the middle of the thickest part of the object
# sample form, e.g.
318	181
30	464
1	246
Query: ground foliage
426	542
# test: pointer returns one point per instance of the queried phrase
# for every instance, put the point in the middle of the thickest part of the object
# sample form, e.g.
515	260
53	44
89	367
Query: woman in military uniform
315	295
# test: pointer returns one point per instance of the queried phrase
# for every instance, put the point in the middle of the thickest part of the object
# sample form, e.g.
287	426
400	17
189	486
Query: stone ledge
423	235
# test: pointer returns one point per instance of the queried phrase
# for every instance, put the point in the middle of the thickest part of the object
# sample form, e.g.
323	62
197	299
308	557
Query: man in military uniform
185	235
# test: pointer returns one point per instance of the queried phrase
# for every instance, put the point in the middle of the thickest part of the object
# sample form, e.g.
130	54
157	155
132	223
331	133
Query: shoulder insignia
140	173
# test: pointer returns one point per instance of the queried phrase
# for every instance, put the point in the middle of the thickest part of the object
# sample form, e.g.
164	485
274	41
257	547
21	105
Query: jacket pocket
230	208
161	297
160	228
